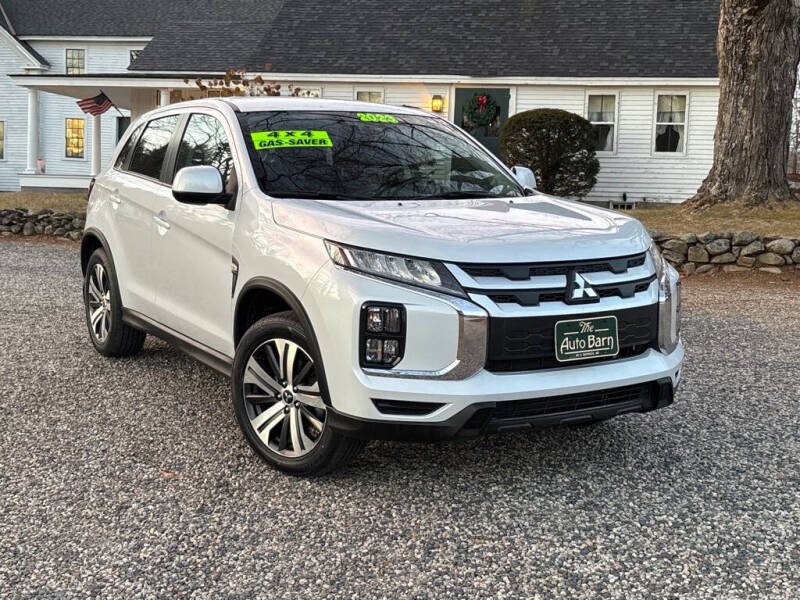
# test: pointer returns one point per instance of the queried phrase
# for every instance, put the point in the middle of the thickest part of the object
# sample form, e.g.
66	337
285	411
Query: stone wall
730	252
19	221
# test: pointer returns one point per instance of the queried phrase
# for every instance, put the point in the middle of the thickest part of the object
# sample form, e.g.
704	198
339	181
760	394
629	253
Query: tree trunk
759	52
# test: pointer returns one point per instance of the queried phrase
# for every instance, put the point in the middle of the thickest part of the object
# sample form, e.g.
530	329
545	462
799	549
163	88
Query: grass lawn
675	219
61	202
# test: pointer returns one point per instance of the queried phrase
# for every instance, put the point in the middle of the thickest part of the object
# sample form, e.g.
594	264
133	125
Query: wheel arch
93	240
279	299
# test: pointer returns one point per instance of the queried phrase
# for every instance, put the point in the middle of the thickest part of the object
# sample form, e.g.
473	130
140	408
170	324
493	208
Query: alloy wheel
99	303
282	398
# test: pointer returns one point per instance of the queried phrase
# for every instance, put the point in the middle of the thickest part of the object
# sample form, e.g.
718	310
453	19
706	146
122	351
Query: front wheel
279	403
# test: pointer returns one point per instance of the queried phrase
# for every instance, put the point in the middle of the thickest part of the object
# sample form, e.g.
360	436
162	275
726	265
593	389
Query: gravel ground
130	478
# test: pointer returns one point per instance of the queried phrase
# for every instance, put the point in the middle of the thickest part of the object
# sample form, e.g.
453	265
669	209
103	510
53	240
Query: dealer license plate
583	339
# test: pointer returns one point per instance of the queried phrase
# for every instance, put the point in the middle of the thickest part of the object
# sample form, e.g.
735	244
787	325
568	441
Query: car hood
533	229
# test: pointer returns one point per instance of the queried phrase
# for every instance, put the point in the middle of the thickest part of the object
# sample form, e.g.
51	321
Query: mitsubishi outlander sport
366	272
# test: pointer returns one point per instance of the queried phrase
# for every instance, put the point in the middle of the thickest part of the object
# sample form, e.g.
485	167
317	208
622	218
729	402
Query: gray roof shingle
125	18
479	38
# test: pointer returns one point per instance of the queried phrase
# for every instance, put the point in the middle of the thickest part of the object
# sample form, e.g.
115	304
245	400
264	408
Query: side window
603	116
366	95
148	157
671	123
128	148
205	144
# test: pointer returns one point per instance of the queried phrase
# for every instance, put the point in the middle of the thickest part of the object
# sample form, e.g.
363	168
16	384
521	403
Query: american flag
96	105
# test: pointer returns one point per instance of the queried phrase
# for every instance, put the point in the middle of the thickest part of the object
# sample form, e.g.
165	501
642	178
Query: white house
644	71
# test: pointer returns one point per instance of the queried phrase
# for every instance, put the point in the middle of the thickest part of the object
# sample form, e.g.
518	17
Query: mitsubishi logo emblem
579	291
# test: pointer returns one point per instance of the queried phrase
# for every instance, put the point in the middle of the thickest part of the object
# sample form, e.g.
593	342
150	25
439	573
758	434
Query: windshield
360	156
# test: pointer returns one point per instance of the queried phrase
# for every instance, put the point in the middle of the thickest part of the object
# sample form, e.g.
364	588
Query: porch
132	94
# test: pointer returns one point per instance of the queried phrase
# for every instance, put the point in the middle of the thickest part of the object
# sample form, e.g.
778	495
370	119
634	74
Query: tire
101	298
283	420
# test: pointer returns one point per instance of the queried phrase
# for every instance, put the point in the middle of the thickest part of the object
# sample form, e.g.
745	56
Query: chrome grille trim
540	288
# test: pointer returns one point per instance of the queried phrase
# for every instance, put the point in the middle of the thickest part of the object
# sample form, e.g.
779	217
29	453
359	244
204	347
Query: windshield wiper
455	195
316	196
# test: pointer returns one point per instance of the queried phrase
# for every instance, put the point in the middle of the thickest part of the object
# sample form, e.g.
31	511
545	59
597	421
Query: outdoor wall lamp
437	103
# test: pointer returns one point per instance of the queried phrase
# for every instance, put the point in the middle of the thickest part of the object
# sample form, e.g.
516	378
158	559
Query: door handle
161	221
114	197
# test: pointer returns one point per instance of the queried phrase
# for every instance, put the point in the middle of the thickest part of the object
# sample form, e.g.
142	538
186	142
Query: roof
477	38
5	24
123	18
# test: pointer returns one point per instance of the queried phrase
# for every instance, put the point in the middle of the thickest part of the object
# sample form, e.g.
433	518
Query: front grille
536	297
528	343
519	272
631	397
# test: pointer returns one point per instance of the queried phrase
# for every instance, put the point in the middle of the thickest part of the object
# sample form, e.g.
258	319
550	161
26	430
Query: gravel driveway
130	478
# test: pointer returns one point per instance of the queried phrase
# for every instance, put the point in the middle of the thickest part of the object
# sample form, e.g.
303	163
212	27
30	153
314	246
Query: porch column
33	130
165	96
97	150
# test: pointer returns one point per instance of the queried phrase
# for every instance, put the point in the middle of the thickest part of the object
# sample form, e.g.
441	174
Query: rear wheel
101	297
278	401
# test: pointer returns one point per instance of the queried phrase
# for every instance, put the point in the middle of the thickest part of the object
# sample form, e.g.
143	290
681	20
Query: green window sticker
271	140
377	118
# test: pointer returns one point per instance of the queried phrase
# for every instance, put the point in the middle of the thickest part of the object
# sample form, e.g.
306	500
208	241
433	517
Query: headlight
669	302
414	271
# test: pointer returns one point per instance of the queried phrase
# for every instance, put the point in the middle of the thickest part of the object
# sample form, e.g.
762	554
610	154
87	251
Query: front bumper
434	330
485	418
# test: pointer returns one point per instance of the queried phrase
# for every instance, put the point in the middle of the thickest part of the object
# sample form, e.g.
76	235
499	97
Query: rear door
193	262
138	193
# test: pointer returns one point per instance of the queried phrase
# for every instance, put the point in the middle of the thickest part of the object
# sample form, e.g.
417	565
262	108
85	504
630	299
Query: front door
192	248
483	112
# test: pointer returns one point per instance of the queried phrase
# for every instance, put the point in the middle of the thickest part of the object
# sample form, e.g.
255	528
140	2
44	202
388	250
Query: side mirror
198	185
525	177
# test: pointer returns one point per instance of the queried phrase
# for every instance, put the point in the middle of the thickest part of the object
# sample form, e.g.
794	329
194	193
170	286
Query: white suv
367	272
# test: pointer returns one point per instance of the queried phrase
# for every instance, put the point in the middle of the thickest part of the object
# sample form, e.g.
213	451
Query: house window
374	96
76	61
135	54
602	112
75	138
670	134
2	140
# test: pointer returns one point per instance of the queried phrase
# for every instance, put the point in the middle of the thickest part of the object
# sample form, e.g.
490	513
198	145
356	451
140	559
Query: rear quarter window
122	159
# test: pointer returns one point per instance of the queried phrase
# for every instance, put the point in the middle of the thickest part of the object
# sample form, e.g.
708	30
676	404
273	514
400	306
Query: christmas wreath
482	110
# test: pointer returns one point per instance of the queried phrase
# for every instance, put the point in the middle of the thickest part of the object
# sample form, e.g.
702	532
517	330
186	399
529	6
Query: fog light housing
383	332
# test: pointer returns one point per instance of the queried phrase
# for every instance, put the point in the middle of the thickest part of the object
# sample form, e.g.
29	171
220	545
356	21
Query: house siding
634	169
101	57
55	109
14	112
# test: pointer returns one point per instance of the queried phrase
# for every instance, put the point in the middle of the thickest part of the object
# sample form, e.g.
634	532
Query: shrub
557	145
